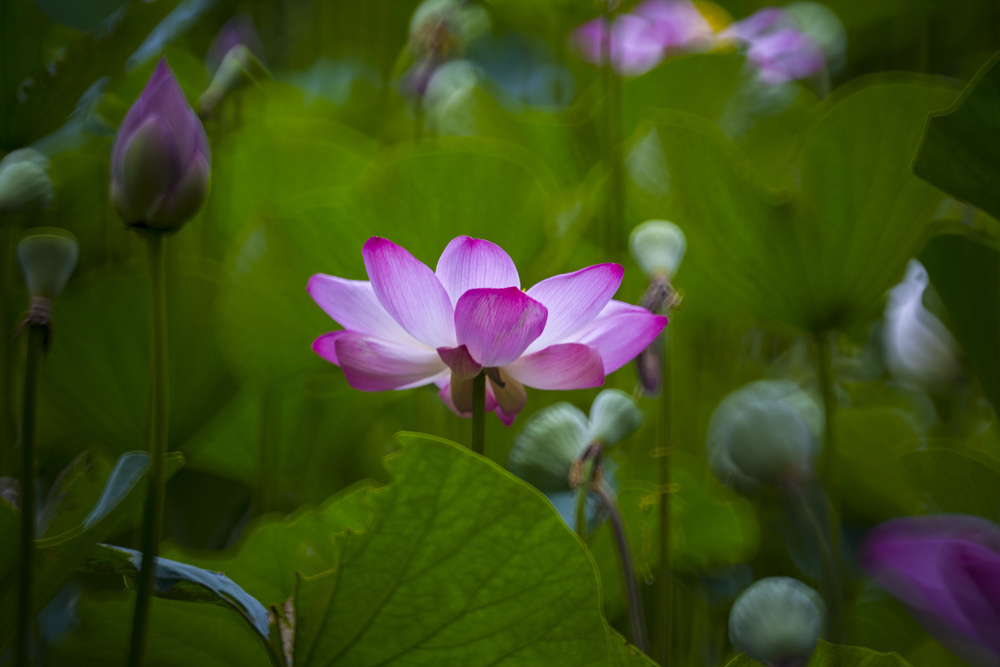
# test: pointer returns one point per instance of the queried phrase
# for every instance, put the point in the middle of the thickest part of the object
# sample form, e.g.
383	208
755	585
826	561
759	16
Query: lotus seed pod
777	621
658	246
545	450
25	186
764	433
47	256
613	417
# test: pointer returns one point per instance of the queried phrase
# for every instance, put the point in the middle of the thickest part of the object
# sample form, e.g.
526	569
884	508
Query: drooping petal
354	306
373	364
410	293
620	333
460	362
469	263
574	300
563	366
510	398
498	324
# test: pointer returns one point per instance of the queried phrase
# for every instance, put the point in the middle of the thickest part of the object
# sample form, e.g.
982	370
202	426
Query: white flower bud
613	417
25	186
658	246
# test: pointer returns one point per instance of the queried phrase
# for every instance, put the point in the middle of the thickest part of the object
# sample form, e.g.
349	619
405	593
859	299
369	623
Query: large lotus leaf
419	196
281	150
819	253
461	564
93	385
960	152
180	633
965	272
956	479
874	486
830	655
273	549
58	557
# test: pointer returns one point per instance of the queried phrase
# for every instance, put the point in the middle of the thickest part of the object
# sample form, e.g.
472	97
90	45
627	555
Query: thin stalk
829	475
637	620
662	617
581	512
8	244
25	613
614	204
158	386
479	414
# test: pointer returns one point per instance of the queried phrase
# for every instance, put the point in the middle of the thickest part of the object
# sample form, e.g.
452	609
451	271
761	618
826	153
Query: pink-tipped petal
574	300
410	292
564	366
354	306
372	364
498	324
326	346
620	333
469	263
460	362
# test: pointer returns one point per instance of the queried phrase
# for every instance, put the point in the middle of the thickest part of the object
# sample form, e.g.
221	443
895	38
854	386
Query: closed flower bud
240	68
920	352
551	441
613	416
160	161
25	186
47	256
658	247
764	433
777	621
238	31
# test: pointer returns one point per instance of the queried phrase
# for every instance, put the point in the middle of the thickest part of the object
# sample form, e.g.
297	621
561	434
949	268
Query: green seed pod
545	450
25	186
47	256
658	246
613	417
764	433
777	621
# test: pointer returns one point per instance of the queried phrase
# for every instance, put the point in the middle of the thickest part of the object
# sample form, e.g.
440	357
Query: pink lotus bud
160	161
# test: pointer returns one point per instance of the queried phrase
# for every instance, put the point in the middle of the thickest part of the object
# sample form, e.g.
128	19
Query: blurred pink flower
640	40
777	47
946	569
410	326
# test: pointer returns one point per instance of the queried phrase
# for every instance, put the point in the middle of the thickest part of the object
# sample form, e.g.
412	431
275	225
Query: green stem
25	613
829	475
636	617
613	219
153	514
664	581
8	260
479	414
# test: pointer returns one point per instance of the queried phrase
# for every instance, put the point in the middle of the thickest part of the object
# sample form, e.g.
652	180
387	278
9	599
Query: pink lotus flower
777	47
410	326
946	569
639	41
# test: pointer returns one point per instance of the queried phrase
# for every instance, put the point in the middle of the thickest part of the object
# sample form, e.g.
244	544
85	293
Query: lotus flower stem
636	617
8	242
663	617
829	475
479	414
25	615
159	383
612	86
